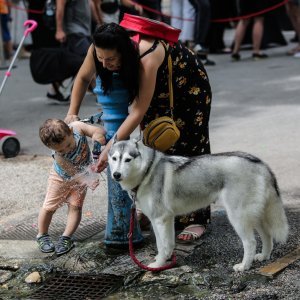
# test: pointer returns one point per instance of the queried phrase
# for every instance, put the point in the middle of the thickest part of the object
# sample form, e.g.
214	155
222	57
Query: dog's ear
115	139
138	138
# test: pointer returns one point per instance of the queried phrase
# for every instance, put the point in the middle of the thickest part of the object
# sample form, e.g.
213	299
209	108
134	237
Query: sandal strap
192	233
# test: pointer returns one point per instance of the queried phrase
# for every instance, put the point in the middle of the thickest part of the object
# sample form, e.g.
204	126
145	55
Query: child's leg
73	221
75	201
44	221
56	195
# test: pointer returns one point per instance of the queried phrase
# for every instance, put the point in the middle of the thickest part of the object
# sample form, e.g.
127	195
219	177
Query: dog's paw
260	257
239	267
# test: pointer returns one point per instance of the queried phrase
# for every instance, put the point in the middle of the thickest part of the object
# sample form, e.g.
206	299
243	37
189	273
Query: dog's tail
276	220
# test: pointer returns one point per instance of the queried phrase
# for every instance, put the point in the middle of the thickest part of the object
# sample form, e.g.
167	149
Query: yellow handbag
162	133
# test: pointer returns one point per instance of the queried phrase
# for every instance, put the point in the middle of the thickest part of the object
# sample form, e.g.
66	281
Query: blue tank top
80	157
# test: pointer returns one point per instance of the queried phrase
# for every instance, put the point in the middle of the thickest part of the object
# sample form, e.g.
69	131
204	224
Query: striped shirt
80	157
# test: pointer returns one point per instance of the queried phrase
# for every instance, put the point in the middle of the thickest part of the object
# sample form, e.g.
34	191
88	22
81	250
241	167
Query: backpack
149	27
48	65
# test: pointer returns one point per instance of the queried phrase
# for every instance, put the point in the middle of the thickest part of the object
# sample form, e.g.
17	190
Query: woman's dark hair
113	37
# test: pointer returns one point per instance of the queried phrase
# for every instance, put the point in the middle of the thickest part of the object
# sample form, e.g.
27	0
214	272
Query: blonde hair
54	131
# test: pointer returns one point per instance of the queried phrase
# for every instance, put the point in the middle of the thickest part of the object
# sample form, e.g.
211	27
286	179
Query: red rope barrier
219	20
268	9
34	11
255	14
131	251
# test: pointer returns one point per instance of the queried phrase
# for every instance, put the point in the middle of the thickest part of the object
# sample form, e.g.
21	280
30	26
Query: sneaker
45	244
64	245
200	50
58	98
235	57
258	56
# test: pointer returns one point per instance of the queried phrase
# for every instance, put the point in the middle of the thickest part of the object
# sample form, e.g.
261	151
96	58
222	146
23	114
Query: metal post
115	110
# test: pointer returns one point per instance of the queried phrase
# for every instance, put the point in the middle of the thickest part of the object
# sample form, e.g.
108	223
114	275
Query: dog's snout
117	175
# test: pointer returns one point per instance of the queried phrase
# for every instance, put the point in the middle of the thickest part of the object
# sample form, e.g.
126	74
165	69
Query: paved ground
255	109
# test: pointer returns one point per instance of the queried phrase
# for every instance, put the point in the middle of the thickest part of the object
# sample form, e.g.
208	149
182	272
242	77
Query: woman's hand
102	162
71	118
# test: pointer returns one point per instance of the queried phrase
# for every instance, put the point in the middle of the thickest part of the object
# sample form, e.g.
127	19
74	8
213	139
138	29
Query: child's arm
94	132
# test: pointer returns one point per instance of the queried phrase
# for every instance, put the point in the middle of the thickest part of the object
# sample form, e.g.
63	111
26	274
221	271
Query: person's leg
202	21
44	220
118	217
54	195
188	24
73	220
75	200
293	11
257	33
239	36
176	11
6	37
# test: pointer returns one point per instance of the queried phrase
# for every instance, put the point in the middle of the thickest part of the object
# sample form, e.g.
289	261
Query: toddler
69	178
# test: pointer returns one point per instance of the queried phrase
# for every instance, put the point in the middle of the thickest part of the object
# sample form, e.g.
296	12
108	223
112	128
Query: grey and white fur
167	186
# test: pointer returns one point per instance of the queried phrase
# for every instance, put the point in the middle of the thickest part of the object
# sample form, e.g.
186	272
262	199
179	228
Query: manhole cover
81	286
27	229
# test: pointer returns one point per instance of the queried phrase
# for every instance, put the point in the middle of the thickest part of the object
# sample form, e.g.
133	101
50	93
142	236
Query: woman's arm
148	72
60	34
81	83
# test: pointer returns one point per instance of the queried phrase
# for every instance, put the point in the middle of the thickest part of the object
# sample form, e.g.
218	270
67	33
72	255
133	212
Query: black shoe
208	62
64	245
58	98
45	244
235	57
258	56
295	39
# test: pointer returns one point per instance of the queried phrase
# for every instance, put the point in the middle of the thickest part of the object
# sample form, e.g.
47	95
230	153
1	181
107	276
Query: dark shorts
252	6
4	27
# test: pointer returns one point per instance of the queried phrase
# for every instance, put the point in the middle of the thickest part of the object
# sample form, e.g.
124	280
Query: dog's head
125	161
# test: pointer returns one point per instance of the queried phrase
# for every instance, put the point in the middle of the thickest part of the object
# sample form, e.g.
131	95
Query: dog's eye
127	159
114	159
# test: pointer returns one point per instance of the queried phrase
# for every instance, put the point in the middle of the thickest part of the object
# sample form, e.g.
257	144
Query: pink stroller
9	144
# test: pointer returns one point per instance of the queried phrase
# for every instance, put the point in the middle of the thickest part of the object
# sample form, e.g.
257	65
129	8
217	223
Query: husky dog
167	186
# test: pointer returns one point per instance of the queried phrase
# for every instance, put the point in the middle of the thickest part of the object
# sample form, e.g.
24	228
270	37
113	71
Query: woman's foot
191	233
235	57
257	56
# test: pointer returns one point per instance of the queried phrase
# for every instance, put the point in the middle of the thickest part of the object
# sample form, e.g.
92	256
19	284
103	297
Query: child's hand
88	179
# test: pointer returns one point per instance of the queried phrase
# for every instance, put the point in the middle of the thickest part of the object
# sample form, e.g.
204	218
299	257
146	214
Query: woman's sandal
192	235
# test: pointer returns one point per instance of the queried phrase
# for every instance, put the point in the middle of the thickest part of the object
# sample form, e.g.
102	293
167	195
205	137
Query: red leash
133	257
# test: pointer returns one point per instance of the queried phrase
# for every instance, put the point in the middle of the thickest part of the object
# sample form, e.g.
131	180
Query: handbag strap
170	79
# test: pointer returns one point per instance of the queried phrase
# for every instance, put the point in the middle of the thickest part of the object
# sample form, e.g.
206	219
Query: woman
143	69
